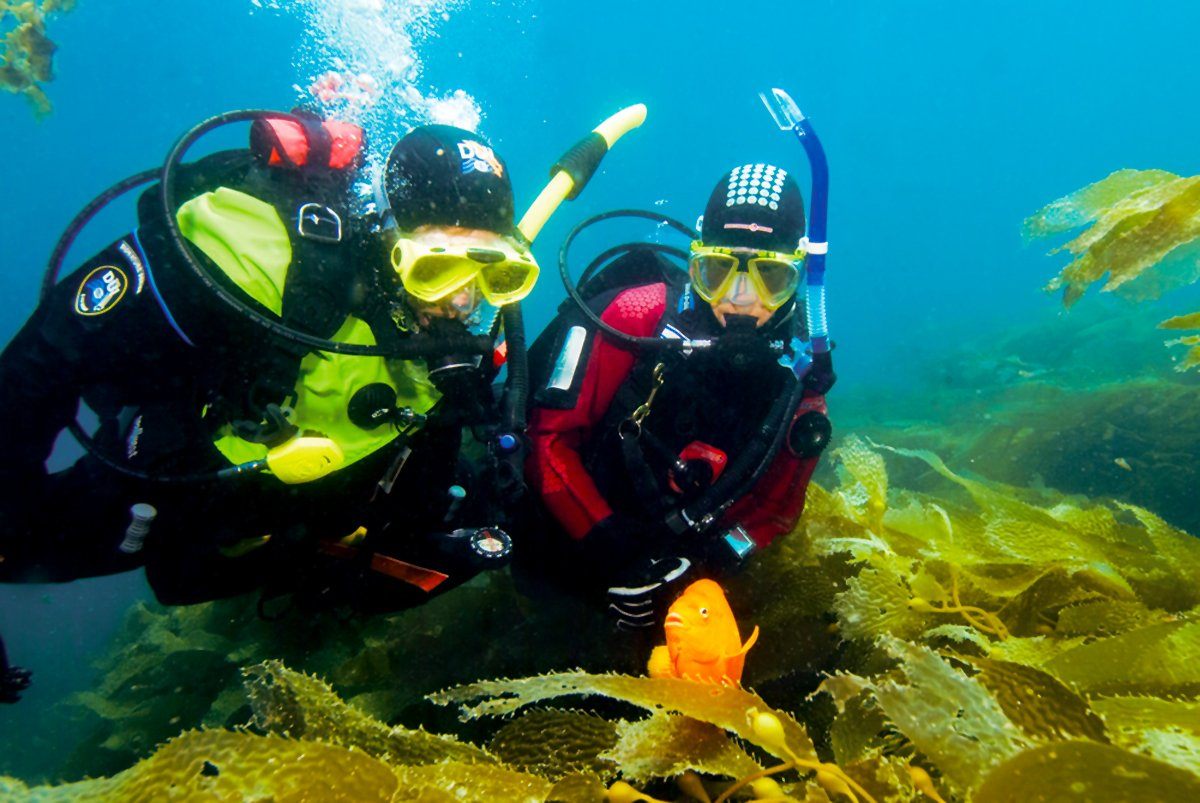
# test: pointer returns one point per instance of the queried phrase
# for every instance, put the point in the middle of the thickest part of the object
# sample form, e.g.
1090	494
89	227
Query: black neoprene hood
755	206
446	176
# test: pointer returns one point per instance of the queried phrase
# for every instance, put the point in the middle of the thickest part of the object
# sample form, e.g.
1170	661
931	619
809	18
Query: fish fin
659	665
750	642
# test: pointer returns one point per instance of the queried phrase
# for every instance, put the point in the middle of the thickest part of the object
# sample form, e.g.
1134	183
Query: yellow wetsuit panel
326	384
244	237
250	244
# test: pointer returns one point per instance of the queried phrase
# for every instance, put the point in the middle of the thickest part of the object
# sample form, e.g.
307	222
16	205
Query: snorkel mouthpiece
740	324
742	346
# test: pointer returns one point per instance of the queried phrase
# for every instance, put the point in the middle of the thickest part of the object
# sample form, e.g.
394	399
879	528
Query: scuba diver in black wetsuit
224	447
281	382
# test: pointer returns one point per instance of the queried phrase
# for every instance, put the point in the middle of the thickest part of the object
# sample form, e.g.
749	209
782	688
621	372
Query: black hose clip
272	430
820	377
581	161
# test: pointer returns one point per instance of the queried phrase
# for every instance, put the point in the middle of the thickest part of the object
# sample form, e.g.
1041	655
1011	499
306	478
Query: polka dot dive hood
755	206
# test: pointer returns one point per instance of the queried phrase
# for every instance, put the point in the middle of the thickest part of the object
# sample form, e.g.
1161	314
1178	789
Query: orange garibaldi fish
703	642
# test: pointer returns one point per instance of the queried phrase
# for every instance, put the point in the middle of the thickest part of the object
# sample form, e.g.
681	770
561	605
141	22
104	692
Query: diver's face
460	304
741	299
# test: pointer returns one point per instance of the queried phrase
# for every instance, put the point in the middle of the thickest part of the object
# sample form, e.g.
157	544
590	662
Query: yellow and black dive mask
773	275
430	272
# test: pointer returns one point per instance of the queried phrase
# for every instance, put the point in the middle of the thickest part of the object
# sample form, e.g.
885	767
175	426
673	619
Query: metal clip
319	222
643	410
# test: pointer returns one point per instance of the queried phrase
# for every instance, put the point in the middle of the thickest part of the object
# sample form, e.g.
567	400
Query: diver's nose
742	293
463	302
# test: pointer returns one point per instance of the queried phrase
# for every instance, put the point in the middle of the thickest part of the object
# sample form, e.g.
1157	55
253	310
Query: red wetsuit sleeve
555	468
773	506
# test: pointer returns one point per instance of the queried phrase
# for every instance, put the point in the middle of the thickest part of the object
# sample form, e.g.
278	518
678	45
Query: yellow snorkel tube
574	168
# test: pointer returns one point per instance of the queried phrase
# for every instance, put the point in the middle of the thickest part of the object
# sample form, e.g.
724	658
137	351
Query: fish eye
704	612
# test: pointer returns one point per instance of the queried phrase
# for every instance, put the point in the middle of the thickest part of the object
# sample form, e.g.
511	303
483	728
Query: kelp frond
1144	236
1139	220
997	643
26	52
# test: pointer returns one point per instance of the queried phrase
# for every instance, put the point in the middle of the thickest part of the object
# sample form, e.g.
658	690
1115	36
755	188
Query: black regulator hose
510	440
407	349
516	395
745	470
80	222
574	294
610	254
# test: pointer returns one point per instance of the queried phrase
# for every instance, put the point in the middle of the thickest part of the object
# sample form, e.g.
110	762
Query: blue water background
945	123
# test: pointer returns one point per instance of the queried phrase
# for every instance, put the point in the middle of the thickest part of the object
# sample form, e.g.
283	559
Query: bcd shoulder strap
313	204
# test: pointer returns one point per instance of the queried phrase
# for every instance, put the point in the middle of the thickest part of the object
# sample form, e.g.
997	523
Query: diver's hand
643	593
619	541
20	511
13	681
820	377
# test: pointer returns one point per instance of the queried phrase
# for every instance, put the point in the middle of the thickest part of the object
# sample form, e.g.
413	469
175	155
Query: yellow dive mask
773	275
430	272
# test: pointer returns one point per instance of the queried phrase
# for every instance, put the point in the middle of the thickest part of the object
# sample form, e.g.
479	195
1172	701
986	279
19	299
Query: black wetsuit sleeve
39	394
100	327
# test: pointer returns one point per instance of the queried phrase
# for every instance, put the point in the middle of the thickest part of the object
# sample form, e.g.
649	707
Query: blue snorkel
788	117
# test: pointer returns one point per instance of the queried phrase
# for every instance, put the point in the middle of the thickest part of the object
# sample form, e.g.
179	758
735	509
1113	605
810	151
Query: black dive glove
641	594
820	377
16	526
13	679
22	503
618	542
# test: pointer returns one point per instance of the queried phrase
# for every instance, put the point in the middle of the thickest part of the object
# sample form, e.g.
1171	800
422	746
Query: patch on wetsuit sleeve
561	391
101	290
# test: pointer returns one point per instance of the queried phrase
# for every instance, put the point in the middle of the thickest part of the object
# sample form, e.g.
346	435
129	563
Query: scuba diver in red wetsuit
678	418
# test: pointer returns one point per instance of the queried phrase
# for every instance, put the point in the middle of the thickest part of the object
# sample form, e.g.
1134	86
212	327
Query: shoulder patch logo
100	290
